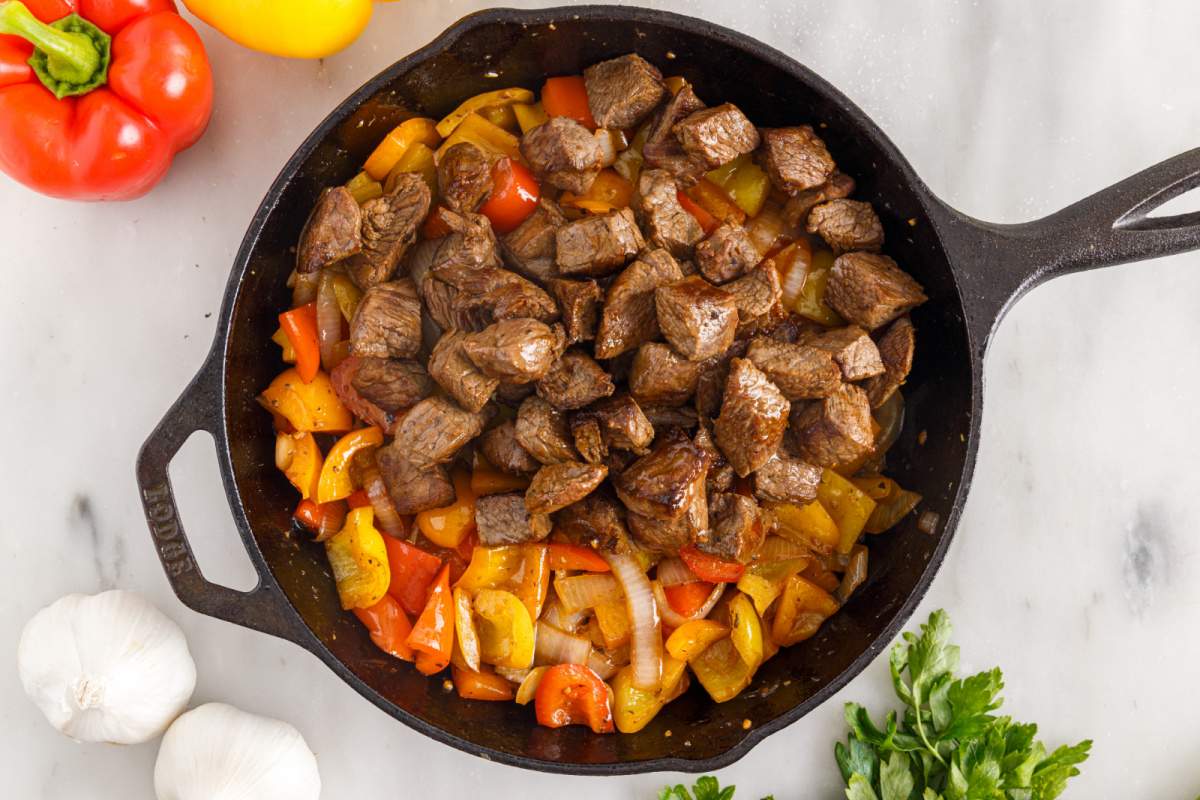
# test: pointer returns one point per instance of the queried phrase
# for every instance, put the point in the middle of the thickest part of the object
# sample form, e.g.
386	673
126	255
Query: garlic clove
106	668
218	751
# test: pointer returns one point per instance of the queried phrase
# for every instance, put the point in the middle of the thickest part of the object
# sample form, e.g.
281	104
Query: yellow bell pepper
491	139
763	583
802	609
491	567
299	458
358	557
675	83
608	192
745	630
387	153
363	187
721	670
529	116
449	525
505	629
336	482
745	182
418	159
691	638
312	406
633	708
480	102
811	302
285	344
467	637
612	619
534	585
502	117
849	506
809	524
892	503
348	295
289	28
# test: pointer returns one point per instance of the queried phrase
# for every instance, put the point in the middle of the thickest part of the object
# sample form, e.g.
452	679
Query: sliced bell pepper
431	664
763	583
307	406
567	97
493	140
348	295
389	151
336	482
716	201
746	183
505	629
388	626
480	685
811	301
746	630
529	116
674	83
433	634
609	192
633	708
486	479
802	609
710	568
535	578
324	521
449	525
515	194
417	159
892	503
412	573
491	567
612	620
502	117
576	557
689	639
819	574
465	631
572	694
299	458
288	353
849	506
358	557
687	598
492	99
300	327
721	670
363	187
809	524
288	28
708	223
359	499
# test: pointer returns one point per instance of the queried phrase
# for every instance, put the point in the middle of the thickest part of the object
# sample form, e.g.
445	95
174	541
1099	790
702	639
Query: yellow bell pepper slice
336	482
358	557
288	28
809	524
802	609
633	708
811	301
502	117
612	619
529	116
763	583
464	629
285	344
721	670
745	182
363	188
535	578
849	506
491	139
347	294
505	629
417	159
491	567
388	152
746	630
691	638
675	83
608	192
449	525
892	503
312	406
476	104
299	458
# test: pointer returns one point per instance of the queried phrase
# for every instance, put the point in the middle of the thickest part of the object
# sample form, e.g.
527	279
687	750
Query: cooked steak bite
896	348
667	224
853	350
503	519
622	91
512	394
542	430
391	384
598	244
623	424
666	536
629	317
557	486
579	302
472	299
847	225
342	380
871	290
787	479
389	226
795	158
835	431
801	371
754	417
717	135
710	384
332	232
387	323
736	530
596	521
662	149
501	448
515	350
434	430
470	244
665	482
574	381
757	296
667	417
697	318
458	375
589	441
726	254
720	472
798	206
413	490
563	153
464	176
530	248
660	376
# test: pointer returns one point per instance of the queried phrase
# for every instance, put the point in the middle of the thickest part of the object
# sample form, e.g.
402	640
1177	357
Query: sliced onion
601	663
587	591
304	287
329	319
387	519
672	572
608	147
890	417
569	621
555	646
511	674
529	685
856	573
332	521
928	522
285	451
777	548
673	617
646	643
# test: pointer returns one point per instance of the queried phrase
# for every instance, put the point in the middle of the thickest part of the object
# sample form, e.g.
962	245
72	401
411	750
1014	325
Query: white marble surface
1076	566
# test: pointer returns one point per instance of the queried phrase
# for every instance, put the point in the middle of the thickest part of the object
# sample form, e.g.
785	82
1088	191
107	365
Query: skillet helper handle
263	608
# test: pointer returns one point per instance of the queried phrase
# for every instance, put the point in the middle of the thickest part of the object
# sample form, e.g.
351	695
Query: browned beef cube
667	417
464	177
847	225
798	206
710	384
622	91
515	350
618	460
717	135
835	431
896	348
387	323
598	244
342	380
413	490
559	485
871	290
737	531
720	472
667	224
458	375
471	243
563	153
579	302
623	424
697	318
667	536
391	384
662	149
434	431
853	350
574	381
596	521
389	226
512	394
530	249
629	317
787	479
664	483
471	299
589	440
333	230
801	371
660	376
503	519
501	448
795	158
757	296
726	254
542	430
754	416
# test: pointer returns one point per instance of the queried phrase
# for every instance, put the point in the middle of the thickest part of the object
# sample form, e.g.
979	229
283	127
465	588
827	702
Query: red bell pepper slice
710	568
359	499
708	223
574	556
572	694
413	571
567	97
433	634
514	196
389	627
300	327
687	598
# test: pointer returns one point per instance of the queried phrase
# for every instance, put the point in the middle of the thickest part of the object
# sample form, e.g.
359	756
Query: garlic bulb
106	668
216	752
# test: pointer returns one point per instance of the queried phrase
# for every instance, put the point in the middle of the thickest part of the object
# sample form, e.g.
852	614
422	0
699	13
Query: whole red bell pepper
94	105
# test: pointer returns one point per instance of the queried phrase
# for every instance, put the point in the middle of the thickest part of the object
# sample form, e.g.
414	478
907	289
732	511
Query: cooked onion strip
673	617
646	645
555	646
387	519
587	591
569	621
672	572
329	320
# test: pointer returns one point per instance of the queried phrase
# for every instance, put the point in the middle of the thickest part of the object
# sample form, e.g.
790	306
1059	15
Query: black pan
972	272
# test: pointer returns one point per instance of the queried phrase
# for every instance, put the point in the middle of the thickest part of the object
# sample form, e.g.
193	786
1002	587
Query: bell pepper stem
71	55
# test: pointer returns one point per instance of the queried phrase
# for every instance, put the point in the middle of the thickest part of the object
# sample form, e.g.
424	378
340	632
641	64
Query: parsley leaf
705	788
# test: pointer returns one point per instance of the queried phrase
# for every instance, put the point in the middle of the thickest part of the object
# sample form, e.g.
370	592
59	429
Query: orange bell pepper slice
687	598
515	194
576	557
487	479
413	571
388	626
299	458
449	525
608	192
307	405
716	201
433	634
393	146
567	97
336	483
710	568
359	499
572	694
430	664
300	327
707	221
480	685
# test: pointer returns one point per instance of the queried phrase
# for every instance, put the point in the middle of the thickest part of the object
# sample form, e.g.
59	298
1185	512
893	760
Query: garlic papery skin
217	752
106	668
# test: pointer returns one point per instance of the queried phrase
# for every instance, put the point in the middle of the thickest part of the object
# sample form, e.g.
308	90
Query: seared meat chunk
629	317
391	384
434	431
413	490
333	230
787	479
697	318
512	394
598	244
342	380
665	417
754	416
801	371
387	323
542	430
720	471
835	431
660	376
664	483
853	350
622	91
736	530
667	536
717	135
795	158
795	212
623	424
579	302
470	244
503	519
559	485
662	149
726	254
847	225
896	348
472	299
574	381
530	248
596	521
500	447
389	226
464	177
871	290
757	296
458	374
710	384
667	224
563	153
515	350
589	440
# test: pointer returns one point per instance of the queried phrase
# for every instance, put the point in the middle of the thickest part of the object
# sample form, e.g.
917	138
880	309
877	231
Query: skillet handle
263	608
1113	226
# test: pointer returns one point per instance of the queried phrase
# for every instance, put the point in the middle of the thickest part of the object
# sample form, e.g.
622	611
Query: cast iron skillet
972	272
